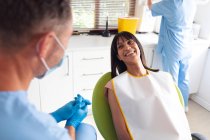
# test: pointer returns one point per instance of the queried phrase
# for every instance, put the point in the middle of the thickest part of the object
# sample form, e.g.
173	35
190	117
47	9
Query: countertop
88	42
92	42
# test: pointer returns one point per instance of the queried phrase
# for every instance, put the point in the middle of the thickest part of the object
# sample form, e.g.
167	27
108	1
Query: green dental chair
102	113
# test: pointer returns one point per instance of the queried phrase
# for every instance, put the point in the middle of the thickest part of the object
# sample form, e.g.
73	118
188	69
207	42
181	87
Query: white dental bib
151	107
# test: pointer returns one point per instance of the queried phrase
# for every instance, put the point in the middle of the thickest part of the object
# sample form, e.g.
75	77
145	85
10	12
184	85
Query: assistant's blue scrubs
19	120
174	38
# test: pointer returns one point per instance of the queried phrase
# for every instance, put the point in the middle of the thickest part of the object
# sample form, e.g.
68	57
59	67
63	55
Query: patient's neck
136	69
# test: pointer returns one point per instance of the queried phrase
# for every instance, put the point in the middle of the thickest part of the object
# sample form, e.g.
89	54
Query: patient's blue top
176	27
19	120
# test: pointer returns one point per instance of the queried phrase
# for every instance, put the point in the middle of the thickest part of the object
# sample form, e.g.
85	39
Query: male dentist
33	39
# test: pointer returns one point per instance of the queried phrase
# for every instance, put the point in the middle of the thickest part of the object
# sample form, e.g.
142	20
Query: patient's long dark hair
116	64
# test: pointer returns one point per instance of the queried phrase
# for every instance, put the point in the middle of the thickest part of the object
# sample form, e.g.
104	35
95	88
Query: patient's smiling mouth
131	52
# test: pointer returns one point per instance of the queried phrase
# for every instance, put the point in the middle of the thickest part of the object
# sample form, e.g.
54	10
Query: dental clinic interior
88	56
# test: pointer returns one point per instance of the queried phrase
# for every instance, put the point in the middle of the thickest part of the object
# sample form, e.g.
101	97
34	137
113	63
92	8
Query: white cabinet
199	55
149	55
78	75
203	95
56	88
88	67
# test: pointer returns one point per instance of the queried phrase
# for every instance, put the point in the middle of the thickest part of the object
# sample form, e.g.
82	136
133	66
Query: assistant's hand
66	111
78	117
149	4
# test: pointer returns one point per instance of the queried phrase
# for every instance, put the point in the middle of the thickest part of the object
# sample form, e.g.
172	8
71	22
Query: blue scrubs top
19	120
175	31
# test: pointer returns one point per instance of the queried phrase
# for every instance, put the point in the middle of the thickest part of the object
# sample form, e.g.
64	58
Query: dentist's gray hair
22	19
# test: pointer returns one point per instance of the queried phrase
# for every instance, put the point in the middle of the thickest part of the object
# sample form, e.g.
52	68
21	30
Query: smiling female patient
144	102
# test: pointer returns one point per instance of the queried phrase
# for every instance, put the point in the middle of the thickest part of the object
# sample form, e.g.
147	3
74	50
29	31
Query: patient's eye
130	42
120	46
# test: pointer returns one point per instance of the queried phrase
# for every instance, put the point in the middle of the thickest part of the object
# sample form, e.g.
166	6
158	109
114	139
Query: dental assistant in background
33	38
174	39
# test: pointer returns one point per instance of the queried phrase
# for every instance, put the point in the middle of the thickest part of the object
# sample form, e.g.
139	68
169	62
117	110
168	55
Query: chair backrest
101	111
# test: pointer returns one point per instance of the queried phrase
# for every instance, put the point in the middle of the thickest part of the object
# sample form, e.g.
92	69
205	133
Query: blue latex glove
66	111
78	117
80	100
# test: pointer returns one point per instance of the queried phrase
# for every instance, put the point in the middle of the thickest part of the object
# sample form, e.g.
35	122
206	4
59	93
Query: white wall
202	17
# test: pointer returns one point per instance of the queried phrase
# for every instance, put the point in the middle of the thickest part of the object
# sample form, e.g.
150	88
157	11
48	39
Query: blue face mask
49	70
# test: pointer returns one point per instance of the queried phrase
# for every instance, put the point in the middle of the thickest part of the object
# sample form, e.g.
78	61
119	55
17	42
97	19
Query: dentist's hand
66	111
77	118
80	100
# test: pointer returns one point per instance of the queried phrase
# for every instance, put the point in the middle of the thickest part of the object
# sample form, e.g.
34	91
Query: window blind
92	14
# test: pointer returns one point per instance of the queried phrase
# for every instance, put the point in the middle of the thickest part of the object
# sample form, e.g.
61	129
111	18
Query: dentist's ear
44	44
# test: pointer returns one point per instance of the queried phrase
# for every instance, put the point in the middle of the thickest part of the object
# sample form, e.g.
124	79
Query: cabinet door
33	93
89	66
157	61
56	88
203	96
149	55
198	59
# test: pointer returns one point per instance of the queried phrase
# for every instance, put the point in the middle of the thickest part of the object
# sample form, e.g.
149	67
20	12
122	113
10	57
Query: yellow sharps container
127	24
